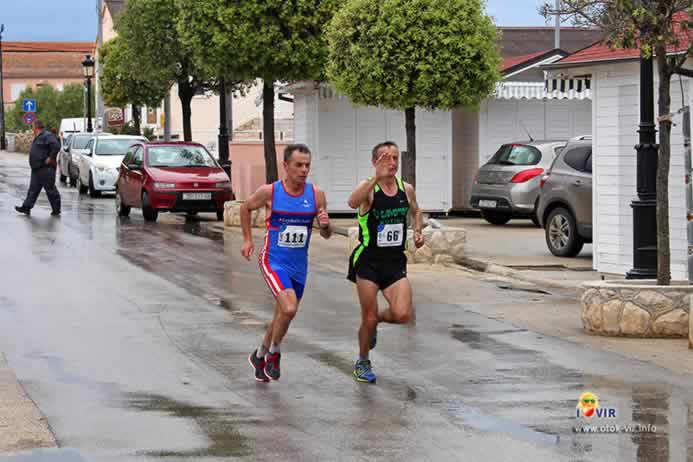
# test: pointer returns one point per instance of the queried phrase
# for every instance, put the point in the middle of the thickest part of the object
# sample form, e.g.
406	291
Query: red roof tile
600	52
517	60
43	47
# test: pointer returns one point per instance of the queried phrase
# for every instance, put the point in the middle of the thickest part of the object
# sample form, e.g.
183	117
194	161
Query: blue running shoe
363	372
374	339
259	365
272	365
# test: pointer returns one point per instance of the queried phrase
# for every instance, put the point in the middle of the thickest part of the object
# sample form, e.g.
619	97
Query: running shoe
272	365
363	372
259	365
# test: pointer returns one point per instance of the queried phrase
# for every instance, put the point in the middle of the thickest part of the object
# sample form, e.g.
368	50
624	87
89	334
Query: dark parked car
171	177
565	201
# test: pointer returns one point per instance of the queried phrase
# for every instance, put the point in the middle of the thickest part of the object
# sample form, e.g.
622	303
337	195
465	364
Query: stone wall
634	309
233	218
441	245
22	142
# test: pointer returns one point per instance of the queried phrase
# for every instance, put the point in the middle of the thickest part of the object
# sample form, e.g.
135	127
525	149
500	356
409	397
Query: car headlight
225	185
158	185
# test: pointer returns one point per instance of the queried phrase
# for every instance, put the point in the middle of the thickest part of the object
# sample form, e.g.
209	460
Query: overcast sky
75	20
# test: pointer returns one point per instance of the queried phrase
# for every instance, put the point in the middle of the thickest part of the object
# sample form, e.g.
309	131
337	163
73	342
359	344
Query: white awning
550	89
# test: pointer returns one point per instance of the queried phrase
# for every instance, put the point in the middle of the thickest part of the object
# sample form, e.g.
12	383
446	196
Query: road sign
29	118
29	105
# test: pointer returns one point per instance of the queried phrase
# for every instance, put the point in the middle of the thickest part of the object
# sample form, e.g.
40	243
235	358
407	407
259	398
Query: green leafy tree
400	54
273	40
653	27
123	84
53	106
148	27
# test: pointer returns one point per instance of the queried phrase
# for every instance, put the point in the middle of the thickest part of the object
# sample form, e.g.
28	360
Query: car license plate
197	196
487	204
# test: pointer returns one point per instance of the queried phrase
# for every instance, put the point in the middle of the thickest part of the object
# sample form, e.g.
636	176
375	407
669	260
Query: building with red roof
614	76
33	64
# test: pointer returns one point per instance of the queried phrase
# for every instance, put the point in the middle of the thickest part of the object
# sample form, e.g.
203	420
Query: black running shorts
383	271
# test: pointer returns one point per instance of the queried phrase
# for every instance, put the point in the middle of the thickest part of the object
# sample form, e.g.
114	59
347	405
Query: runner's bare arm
362	196
323	216
260	198
416	215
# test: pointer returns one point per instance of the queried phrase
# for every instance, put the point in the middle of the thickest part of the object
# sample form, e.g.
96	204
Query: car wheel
220	215
93	192
148	212
495	218
122	209
561	234
81	187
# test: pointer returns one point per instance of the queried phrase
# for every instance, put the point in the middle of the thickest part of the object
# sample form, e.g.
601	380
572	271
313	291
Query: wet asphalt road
132	338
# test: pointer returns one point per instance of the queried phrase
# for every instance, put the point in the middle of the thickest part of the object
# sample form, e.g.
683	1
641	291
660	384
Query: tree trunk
186	93
268	131
137	119
663	241
409	160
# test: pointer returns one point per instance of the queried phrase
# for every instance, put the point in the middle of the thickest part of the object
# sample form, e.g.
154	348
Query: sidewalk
517	249
22	427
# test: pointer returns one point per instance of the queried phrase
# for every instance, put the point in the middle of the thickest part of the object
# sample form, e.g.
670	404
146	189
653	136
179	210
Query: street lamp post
3	144
223	130
88	69
645	206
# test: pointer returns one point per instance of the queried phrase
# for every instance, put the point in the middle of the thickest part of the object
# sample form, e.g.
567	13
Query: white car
99	165
70	155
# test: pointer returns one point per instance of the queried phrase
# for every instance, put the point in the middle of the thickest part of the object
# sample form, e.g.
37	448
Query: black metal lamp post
645	206
3	144
223	130
88	69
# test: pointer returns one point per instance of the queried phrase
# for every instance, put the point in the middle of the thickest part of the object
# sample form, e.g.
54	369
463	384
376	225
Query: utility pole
3	144
167	116
223	130
557	42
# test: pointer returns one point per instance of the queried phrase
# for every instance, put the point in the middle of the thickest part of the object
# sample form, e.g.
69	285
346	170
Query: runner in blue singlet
292	206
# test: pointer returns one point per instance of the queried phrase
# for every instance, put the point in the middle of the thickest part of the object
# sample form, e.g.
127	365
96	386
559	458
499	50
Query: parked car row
549	182
153	176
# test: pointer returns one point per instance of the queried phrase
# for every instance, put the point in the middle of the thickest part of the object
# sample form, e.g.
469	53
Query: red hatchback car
171	177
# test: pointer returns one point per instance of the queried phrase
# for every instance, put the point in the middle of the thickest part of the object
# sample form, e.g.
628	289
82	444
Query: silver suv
565	201
507	186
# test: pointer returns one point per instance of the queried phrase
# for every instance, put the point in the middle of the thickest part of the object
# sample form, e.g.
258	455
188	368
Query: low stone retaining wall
441	245
233	218
636	308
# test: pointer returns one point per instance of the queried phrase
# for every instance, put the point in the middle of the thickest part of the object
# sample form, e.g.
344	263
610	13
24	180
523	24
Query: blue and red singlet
284	257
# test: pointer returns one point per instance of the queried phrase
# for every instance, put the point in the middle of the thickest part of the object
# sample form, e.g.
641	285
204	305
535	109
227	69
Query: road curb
492	268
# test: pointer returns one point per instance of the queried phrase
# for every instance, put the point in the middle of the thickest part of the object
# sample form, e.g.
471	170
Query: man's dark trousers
43	178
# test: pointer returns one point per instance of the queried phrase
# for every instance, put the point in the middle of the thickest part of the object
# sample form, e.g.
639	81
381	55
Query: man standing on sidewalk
42	160
292	205
379	263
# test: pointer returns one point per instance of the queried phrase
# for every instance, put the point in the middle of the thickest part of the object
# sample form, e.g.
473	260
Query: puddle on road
219	426
527	373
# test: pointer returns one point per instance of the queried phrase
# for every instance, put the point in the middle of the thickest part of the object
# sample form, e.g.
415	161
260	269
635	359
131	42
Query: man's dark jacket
45	145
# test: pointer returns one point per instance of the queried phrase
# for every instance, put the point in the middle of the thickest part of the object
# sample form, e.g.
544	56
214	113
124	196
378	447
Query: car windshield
80	141
114	146
516	154
179	156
